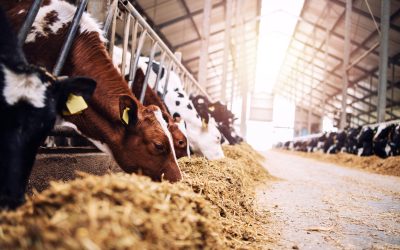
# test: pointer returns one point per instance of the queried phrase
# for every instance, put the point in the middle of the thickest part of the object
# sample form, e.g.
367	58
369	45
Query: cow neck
90	58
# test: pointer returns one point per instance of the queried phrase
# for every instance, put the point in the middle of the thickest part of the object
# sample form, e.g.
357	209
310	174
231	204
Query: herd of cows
382	140
94	99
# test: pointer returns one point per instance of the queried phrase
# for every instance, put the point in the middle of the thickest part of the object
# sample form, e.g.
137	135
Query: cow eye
159	146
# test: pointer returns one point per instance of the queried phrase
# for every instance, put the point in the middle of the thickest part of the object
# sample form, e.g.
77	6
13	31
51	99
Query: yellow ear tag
203	123
125	116
75	104
211	108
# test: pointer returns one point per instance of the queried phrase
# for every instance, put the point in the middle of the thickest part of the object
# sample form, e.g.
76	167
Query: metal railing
138	30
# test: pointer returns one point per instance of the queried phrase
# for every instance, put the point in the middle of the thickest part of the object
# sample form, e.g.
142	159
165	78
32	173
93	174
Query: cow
176	127
339	141
115	121
381	139
204	139
223	117
394	142
351	140
330	140
30	100
365	142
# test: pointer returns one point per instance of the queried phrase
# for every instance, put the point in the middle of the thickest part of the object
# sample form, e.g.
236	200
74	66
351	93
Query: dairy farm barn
214	124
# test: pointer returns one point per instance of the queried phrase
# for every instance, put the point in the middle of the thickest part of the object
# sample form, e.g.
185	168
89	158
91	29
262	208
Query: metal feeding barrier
138	30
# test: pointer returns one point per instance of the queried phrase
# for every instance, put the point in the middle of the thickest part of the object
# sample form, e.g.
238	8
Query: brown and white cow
136	136
151	98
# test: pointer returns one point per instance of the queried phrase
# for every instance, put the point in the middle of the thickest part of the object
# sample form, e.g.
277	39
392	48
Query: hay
211	209
388	166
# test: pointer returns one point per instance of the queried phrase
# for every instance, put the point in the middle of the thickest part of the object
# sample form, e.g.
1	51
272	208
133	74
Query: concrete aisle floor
317	205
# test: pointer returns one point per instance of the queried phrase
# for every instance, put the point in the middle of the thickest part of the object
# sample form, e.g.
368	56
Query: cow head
30	100
147	141
178	131
203	138
220	113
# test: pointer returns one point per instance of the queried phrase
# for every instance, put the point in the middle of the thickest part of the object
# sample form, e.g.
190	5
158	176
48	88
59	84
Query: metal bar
202	74
363	55
345	79
148	72
227	40
137	55
167	79
155	88
134	31
70	37
373	17
30	18
327	34
110	17
383	59
161	43
242	75
113	28
127	23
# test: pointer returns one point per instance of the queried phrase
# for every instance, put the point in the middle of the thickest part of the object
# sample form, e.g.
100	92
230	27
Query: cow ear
138	82
128	110
74	93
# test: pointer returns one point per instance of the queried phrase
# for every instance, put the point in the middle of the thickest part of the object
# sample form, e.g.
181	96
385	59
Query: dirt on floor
388	166
320	205
212	208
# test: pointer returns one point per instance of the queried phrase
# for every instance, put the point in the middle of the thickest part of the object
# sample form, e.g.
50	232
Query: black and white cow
351	140
381	140
365	142
223	117
29	102
203	138
394	142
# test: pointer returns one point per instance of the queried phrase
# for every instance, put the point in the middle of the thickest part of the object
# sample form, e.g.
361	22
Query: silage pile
211	209
388	166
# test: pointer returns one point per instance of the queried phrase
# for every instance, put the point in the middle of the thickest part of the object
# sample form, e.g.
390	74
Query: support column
202	74
242	67
346	55
383	59
326	74
227	41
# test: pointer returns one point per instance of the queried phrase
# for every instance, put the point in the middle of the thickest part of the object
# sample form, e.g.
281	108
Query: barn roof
179	23
312	69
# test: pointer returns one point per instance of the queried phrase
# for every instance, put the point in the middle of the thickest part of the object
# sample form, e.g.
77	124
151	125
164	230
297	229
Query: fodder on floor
388	166
211	209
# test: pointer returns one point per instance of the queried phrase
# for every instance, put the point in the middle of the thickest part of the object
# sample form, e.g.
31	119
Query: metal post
202	74
155	88
30	18
346	55
70	37
110	16
169	68
148	71
125	43
137	55
242	82
326	73
113	29
134	31
227	41
383	59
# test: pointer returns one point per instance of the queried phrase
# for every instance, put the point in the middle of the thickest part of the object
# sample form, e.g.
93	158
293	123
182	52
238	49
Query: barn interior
310	154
